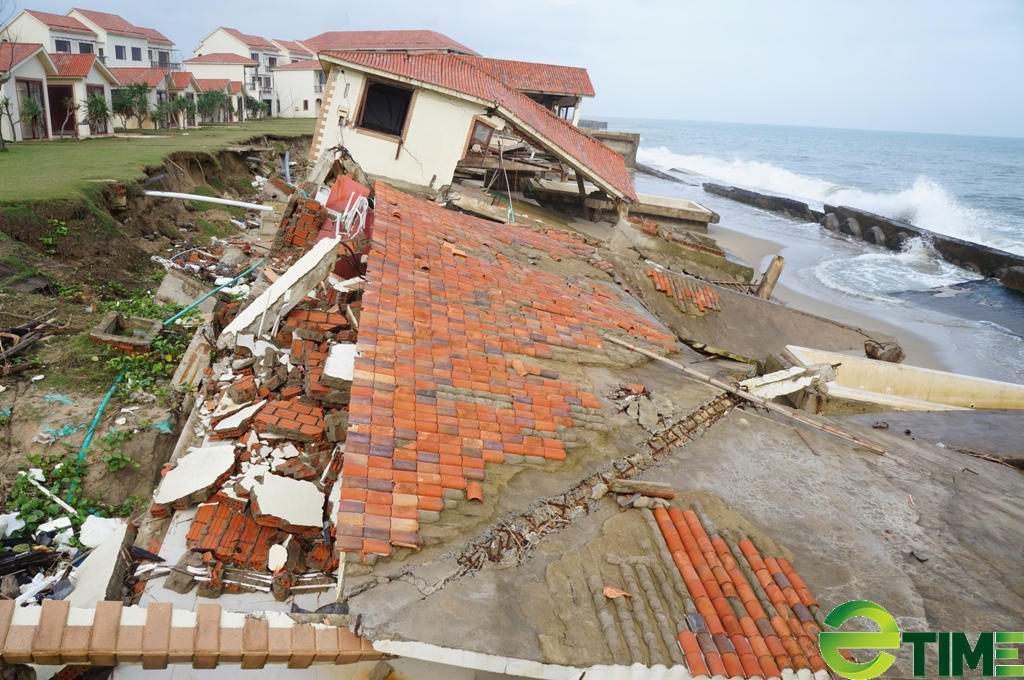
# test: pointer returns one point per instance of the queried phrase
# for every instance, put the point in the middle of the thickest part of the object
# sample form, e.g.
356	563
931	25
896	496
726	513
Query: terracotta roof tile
180	80
235	87
222	58
154	77
253	42
73	65
154	36
12	54
413	431
398	41
526	76
304	65
294	47
60	23
457	74
213	84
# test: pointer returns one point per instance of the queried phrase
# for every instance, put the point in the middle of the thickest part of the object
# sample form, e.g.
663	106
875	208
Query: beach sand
918	340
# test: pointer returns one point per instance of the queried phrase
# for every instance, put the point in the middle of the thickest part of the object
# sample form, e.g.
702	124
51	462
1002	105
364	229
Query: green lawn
59	169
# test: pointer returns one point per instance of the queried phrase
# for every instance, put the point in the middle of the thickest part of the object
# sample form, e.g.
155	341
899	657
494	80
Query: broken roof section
421	429
387	41
453	75
530	77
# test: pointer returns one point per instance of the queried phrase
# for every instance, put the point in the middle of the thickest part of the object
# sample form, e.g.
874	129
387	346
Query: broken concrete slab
294	503
178	288
102	573
196	475
340	367
196	360
284	294
789	381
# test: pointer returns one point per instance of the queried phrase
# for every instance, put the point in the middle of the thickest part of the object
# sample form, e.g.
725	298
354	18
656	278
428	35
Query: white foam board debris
9	524
235	421
292	501
96	529
196	471
341	363
277	559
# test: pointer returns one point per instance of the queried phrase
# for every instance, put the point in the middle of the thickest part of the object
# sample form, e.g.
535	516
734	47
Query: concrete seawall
879	230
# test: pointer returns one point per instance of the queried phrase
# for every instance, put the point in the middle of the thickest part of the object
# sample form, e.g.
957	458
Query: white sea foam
878	275
925	204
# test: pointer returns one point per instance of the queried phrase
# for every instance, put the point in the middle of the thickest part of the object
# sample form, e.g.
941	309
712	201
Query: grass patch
54	169
70	366
210	230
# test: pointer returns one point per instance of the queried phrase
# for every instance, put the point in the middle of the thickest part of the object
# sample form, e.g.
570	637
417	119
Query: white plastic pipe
208	199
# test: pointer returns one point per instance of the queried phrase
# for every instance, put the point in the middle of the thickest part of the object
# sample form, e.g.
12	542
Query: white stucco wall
25	29
110	51
219	41
436	136
229	71
292	88
30	69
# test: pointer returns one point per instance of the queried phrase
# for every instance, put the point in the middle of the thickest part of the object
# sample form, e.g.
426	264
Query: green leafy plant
32	114
111	444
58	228
64	473
97	112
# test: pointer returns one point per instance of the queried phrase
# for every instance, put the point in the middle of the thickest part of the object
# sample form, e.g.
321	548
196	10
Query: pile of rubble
272	420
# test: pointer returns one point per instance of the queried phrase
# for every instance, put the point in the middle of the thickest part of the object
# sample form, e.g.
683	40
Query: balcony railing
318	88
173	65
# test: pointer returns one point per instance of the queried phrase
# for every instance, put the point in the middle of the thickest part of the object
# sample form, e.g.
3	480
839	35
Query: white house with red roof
299	87
121	44
56	32
412	117
29	65
259	81
292	51
78	77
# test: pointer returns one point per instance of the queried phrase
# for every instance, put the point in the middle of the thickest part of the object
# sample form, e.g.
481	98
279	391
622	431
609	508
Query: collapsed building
423	443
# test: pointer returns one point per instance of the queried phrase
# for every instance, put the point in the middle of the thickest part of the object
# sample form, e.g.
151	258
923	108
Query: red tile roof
156	37
294	46
179	80
431	418
154	77
12	54
113	23
383	41
304	65
60	23
222	58
213	84
253	42
526	76
235	87
457	75
73	65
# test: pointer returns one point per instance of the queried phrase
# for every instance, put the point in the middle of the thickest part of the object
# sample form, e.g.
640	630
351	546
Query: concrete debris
195	476
101	575
292	502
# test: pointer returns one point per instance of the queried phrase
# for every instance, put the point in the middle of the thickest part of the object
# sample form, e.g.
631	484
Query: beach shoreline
757	250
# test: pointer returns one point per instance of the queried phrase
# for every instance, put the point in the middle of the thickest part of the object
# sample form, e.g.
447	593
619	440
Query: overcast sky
954	66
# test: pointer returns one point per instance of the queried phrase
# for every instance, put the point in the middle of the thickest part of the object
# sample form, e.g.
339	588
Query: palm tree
96	112
32	113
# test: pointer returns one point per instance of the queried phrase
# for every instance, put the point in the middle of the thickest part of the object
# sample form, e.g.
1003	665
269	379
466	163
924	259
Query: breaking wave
880	275
925	204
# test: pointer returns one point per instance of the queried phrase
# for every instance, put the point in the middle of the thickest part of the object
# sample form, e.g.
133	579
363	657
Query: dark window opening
136	54
62	45
305	105
85	48
121	52
271	62
385	108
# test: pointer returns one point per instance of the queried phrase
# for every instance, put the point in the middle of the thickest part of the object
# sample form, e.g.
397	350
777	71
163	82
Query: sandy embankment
920	345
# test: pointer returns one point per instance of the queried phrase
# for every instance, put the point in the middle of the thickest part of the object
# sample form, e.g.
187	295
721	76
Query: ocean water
967	187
